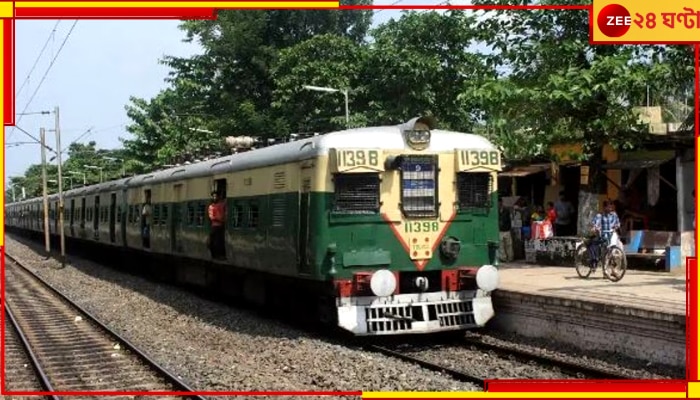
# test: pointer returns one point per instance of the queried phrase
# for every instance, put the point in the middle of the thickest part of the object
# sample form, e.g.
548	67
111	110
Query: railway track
575	370
20	374
455	374
68	349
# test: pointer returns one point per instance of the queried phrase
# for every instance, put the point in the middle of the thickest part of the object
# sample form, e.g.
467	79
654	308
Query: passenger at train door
217	216
146	221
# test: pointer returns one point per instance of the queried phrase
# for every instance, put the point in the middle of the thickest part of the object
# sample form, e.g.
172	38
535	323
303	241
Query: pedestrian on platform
694	209
604	224
505	250
565	214
538	215
551	213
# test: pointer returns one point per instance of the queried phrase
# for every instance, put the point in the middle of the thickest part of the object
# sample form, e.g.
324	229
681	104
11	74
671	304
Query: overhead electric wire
43	78
36	62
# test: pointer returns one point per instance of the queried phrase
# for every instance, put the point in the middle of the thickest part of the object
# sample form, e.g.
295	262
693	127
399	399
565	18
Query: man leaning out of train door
217	216
146	221
506	239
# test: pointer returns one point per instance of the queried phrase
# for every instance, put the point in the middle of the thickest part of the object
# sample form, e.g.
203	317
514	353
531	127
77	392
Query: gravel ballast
215	347
634	368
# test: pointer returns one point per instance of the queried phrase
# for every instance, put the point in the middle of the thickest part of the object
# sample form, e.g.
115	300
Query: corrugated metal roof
635	164
527	170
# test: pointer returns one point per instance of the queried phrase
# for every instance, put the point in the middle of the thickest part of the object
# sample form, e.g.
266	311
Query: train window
419	186
200	214
278	211
190	214
156	214
164	216
82	209
356	193
237	216
253	216
474	190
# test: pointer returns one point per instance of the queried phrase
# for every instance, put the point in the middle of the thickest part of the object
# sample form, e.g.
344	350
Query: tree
420	64
559	86
241	50
165	131
325	60
228	90
32	180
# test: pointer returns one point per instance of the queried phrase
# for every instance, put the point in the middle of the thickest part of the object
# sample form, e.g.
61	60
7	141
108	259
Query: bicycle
612	255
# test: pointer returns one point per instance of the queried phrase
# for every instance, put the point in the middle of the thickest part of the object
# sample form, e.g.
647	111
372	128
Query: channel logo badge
639	21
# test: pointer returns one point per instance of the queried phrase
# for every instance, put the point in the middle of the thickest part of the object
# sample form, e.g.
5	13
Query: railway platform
642	316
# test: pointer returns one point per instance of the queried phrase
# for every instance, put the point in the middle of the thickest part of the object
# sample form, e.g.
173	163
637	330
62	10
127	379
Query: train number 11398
479	158
357	158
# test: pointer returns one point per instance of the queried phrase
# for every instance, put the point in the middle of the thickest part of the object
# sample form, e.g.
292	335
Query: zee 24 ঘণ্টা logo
614	20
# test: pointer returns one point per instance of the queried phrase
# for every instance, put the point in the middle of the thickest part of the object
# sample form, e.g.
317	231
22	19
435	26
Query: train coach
384	230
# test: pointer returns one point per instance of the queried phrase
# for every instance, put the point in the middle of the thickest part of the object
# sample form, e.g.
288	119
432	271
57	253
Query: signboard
478	160
357	160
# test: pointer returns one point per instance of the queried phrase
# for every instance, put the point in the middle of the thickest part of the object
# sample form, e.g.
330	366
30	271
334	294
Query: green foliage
327	61
542	84
559	87
75	170
419	65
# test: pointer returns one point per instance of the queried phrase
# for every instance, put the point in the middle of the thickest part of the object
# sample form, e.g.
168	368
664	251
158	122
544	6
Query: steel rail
176	382
457	375
36	365
565	366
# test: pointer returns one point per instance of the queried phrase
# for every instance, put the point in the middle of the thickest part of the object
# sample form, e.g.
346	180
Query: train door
83	210
123	211
146	219
72	217
96	218
54	211
303	224
176	218
112	217
220	188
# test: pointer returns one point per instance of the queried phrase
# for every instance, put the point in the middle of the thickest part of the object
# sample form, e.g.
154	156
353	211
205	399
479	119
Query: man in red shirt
217	217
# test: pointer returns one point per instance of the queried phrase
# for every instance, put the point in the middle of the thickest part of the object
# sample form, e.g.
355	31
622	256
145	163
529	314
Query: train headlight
417	132
487	278
383	283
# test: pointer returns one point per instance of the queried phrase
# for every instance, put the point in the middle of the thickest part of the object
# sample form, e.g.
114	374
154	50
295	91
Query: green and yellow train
393	230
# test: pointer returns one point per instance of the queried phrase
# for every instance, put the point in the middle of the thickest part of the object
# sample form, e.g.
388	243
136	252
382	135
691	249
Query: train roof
382	137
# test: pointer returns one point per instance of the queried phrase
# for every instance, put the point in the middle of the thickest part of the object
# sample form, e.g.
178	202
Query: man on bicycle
604	224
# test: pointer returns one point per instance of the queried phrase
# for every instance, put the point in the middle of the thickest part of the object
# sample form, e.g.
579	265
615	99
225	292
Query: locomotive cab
413	225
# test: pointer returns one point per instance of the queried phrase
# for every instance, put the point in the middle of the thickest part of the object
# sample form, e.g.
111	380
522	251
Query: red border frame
492	386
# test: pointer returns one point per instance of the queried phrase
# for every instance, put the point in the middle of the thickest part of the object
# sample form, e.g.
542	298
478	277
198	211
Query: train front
415	232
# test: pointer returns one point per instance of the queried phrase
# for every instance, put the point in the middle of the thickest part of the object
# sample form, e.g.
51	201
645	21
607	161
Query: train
385	230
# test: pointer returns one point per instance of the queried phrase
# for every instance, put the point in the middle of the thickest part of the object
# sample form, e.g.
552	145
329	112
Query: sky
100	66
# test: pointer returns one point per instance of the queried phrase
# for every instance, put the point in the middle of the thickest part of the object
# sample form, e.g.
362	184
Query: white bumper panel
415	313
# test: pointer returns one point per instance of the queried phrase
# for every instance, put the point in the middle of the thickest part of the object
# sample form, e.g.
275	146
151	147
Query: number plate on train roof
478	160
357	160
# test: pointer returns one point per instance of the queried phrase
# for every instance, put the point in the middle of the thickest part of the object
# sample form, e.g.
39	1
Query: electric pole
42	135
60	192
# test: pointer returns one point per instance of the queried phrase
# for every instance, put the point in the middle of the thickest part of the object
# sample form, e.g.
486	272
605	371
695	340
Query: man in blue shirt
603	226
